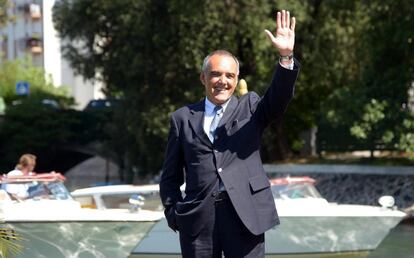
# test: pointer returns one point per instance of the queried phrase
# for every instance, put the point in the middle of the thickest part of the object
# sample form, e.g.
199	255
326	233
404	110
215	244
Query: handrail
43	177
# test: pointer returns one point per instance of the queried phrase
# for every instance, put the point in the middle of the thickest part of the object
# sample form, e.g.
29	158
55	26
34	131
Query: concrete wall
355	184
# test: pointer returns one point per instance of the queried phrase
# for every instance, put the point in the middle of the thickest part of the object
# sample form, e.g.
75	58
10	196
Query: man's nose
222	79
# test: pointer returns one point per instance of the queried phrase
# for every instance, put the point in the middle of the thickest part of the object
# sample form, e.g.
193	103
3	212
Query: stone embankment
356	184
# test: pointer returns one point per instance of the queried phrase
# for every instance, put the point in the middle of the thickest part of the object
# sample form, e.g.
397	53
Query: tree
4	5
149	53
14	71
374	105
9	242
325	33
31	123
153	50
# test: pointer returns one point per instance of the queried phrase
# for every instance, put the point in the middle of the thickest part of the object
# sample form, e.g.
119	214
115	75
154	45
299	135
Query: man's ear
203	78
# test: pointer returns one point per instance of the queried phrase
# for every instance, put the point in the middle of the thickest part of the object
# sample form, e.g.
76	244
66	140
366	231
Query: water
398	244
87	239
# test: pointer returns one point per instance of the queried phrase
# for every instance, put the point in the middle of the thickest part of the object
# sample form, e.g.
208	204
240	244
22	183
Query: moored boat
52	224
310	226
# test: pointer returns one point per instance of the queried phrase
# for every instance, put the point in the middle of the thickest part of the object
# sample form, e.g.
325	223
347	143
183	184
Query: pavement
339	169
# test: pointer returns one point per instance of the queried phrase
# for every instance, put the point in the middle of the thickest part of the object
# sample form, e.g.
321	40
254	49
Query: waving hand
284	39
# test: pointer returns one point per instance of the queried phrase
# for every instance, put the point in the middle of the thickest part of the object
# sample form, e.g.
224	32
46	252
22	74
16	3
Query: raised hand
284	40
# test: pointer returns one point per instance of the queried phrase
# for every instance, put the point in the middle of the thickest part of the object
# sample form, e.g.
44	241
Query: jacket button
219	170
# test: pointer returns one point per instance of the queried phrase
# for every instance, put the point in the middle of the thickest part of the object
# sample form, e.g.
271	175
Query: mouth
218	90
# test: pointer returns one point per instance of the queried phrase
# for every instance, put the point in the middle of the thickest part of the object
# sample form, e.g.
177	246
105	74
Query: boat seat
4	196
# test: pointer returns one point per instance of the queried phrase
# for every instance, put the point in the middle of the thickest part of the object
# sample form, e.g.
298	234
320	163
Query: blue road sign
22	88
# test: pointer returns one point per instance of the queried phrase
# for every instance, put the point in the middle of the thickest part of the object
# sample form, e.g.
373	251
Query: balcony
34	44
34	11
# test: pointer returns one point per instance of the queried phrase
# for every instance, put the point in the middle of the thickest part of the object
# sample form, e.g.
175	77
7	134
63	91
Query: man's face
32	167
220	78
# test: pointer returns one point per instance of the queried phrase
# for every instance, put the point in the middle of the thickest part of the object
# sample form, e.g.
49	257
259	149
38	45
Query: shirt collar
209	106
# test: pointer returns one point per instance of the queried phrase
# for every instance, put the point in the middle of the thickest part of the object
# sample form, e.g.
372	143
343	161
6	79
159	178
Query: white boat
310	226
52	224
118	196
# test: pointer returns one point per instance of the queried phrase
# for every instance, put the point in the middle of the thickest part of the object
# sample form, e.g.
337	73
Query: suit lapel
223	125
196	120
231	107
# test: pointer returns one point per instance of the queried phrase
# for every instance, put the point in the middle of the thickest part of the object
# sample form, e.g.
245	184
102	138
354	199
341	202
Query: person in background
25	167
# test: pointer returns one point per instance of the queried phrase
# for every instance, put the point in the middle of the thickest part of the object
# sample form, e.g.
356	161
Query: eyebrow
218	72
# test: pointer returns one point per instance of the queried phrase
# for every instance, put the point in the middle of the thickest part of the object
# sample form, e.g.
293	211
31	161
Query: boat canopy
39	177
292	180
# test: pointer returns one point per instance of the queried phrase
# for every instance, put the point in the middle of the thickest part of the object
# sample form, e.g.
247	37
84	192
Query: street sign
22	88
2	106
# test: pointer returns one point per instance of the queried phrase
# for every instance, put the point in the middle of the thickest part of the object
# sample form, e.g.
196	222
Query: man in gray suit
214	147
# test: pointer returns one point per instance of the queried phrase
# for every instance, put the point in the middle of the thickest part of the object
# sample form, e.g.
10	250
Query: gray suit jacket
234	157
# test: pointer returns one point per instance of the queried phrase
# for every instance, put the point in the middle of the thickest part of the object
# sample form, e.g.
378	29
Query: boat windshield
48	190
115	201
37	186
295	191
59	191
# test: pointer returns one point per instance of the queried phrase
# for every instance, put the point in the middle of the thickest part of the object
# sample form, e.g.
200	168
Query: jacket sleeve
274	103
172	176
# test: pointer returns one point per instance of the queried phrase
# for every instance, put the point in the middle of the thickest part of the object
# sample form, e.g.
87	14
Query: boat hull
321	255
295	237
309	235
88	239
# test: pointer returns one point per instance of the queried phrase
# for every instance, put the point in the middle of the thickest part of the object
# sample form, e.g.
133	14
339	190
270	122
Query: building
32	33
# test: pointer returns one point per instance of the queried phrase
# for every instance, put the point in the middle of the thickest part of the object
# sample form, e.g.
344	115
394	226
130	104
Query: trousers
224	233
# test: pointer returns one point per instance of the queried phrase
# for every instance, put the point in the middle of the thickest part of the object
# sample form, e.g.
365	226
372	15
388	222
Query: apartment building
32	33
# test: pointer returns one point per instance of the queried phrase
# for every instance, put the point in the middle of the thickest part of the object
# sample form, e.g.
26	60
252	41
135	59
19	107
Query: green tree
9	242
149	54
13	71
4	4
28	124
374	105
326	31
31	127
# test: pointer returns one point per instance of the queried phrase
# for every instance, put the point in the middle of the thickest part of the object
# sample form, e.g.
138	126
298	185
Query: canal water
398	244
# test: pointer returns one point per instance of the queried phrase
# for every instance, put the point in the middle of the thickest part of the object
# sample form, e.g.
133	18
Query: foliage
406	137
9	242
32	125
32	128
374	105
35	128
4	4
324	34
149	53
373	113
14	71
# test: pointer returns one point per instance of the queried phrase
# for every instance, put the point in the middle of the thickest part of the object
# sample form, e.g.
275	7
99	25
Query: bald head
206	62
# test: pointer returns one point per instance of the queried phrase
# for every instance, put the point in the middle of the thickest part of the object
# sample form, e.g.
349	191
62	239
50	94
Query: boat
52	224
118	196
310	226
